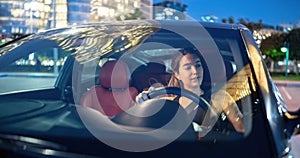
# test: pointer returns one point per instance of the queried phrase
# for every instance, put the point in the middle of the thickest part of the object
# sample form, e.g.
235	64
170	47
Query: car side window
36	70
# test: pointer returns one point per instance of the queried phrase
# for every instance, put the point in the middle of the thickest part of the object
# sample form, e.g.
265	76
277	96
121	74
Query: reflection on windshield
94	42
241	84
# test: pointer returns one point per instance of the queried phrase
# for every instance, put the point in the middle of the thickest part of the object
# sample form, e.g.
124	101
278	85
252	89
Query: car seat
113	95
149	75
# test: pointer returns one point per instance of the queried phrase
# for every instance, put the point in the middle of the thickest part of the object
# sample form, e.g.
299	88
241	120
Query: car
72	92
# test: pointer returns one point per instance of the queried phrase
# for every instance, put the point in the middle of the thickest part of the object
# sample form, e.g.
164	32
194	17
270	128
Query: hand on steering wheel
155	92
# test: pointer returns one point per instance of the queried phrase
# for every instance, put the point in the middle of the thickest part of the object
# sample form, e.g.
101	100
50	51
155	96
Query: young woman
188	74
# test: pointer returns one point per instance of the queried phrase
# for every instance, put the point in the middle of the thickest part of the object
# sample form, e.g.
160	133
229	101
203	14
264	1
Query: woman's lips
195	78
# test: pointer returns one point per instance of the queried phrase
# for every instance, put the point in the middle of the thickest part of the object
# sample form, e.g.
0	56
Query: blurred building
170	10
147	9
285	27
78	11
298	24
29	16
23	17
103	10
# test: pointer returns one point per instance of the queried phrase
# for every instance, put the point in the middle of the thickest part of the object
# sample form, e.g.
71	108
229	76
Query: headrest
154	67
114	74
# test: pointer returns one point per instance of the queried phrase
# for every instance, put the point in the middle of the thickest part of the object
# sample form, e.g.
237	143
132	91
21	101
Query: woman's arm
223	102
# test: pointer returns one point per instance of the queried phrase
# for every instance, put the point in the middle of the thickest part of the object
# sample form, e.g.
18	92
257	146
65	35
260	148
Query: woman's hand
143	96
223	102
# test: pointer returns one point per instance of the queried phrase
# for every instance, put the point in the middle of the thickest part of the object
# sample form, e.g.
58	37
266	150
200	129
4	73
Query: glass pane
34	71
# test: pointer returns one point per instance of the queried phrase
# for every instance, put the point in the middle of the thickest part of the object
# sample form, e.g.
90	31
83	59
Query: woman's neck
197	91
185	102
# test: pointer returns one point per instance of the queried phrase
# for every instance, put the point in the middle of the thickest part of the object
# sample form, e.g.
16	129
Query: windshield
225	69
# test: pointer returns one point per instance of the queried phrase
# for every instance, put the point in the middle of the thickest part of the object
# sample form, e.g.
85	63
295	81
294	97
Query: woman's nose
194	69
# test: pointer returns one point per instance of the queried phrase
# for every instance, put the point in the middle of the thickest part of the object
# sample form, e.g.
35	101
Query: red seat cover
113	95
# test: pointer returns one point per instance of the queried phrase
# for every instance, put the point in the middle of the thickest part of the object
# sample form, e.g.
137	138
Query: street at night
290	93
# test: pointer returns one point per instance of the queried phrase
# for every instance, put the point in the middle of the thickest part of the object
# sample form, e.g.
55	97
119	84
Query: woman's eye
187	67
198	65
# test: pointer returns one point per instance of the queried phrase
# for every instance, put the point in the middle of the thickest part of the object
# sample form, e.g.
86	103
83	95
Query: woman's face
190	72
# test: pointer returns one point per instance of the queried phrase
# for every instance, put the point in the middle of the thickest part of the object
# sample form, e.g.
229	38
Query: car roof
158	23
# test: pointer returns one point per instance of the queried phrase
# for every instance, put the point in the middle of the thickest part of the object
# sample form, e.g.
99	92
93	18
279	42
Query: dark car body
44	76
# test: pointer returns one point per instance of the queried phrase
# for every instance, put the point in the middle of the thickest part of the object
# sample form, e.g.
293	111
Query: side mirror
293	121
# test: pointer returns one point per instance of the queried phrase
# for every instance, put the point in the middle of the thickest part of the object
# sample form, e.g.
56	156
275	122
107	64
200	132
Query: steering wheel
156	113
177	91
220	126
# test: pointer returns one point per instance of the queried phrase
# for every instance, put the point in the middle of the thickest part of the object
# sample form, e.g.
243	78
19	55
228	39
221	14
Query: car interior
90	83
